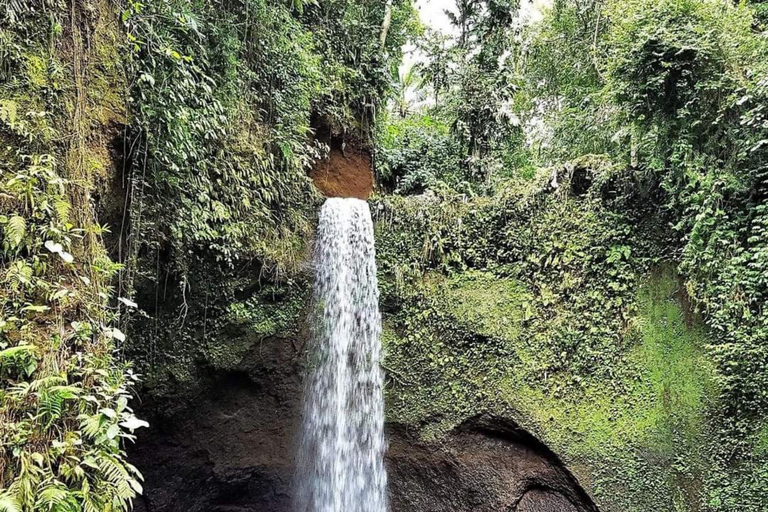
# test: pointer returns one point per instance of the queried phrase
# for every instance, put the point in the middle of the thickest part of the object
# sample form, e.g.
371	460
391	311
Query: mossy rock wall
554	311
546	309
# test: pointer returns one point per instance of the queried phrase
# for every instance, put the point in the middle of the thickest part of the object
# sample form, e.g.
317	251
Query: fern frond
19	275
50	406
62	208
19	391
66	392
56	497
9	502
90	506
52	397
112	469
91	424
15	231
47	382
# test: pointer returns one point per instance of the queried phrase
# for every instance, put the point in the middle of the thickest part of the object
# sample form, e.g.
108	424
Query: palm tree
409	86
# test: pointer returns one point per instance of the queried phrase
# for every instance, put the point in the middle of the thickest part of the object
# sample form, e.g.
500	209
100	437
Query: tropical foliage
196	120
64	413
233	103
587	252
472	78
249	77
671	97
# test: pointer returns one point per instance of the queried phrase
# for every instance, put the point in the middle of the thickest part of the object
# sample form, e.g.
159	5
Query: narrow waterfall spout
341	458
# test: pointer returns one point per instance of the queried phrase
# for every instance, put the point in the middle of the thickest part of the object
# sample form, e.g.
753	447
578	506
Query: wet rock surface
227	446
487	464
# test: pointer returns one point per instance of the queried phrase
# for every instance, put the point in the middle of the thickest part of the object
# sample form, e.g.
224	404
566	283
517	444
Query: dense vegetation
64	411
657	110
572	225
184	125
227	99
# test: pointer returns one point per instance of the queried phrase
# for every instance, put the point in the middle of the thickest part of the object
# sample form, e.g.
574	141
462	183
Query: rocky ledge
227	446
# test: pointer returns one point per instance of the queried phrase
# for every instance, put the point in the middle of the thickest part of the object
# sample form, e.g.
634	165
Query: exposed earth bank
344	173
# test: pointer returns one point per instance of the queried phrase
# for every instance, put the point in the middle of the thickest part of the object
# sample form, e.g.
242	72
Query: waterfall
341	454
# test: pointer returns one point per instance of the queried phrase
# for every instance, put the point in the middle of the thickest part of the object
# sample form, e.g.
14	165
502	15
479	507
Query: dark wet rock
542	500
487	464
228	448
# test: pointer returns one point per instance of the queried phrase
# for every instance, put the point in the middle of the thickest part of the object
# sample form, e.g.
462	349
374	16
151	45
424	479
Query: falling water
341	466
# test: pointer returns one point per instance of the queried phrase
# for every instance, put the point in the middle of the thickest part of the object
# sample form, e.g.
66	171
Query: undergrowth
64	394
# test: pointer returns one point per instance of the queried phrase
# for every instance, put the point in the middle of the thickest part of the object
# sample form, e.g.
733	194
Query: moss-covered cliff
602	319
560	312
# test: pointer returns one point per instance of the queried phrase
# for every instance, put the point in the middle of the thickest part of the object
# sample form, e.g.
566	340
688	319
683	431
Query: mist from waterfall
341	454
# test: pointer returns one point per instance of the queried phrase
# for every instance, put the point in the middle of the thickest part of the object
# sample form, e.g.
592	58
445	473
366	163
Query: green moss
36	72
488	305
679	377
621	394
646	434
216	327
272	311
224	353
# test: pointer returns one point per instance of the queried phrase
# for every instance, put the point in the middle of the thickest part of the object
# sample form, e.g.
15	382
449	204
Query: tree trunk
385	24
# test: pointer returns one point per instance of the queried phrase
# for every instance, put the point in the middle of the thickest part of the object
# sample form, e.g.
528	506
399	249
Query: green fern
15	231
112	469
91	424
46	382
19	276
51	404
62	208
56	497
9	502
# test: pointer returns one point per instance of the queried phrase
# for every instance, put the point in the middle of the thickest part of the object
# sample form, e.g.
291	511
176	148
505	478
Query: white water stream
341	455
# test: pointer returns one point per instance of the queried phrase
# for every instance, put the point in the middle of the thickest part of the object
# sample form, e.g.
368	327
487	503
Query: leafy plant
58	368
